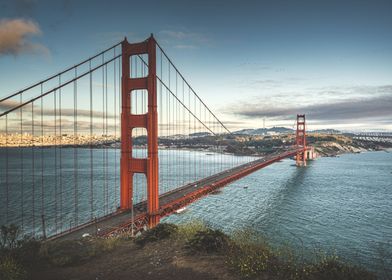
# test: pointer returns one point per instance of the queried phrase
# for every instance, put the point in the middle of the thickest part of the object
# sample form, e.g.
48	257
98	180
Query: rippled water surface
341	205
50	190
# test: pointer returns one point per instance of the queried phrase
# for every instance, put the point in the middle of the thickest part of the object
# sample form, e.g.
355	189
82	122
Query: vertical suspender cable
195	131
7	168
119	109
200	157
42	166
170	175
189	133
160	116
21	163
115	129
167	133
60	161
32	167
106	138
55	161
183	132
91	146
75	151
176	133
102	136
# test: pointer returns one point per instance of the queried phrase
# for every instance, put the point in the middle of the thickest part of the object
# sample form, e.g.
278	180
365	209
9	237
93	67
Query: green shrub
9	236
207	241
71	252
250	255
27	251
330	267
63	253
250	260
109	244
10	269
188	230
161	231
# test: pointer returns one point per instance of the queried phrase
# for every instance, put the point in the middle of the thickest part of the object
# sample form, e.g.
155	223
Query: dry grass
187	231
70	252
243	254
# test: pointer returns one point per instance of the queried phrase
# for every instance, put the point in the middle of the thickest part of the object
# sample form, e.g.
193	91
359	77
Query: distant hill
281	130
199	134
326	131
263	131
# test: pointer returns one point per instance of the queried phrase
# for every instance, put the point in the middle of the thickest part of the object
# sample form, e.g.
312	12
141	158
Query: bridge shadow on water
279	199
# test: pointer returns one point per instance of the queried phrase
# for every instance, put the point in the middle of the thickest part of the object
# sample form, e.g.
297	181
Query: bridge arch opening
138	65
139	102
139	143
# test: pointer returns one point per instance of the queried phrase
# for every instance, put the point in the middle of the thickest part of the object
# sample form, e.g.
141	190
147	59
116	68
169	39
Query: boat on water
179	211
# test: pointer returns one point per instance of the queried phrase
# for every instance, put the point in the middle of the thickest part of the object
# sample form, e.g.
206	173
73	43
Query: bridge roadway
171	201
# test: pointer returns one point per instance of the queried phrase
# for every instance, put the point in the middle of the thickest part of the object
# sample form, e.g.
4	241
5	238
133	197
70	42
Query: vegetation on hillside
244	254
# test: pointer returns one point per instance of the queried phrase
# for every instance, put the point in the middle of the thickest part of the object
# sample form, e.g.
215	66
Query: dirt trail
161	260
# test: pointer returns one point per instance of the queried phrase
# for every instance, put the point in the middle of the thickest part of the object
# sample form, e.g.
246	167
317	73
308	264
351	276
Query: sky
248	60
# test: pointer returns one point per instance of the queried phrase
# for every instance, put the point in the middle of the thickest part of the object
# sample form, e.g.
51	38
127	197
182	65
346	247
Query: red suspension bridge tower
301	141
130	165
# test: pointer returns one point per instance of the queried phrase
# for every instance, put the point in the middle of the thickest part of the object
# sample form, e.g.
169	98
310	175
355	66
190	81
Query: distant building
272	133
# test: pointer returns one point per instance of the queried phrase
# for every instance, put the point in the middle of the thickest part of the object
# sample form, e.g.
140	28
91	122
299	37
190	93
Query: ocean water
50	190
339	205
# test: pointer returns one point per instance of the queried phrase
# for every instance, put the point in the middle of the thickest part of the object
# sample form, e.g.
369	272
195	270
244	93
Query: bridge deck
171	201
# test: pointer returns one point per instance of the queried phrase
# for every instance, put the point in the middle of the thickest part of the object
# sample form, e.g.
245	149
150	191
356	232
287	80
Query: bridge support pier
301	157
149	121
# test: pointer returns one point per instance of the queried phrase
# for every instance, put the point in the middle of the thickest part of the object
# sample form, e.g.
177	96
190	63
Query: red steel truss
149	121
301	140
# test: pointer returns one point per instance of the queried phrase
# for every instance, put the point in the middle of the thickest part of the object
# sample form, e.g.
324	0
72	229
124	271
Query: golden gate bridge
61	173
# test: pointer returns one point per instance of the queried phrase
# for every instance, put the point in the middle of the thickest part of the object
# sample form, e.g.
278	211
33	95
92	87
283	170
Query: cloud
66	125
180	35
189	47
80	113
15	35
8	104
184	39
49	112
345	110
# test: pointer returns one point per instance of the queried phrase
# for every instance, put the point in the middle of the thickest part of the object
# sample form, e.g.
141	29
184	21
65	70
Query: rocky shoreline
333	149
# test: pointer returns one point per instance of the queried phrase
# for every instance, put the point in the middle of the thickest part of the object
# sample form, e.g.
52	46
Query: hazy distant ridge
281	130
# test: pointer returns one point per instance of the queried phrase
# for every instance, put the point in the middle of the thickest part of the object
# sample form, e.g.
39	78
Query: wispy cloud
8	104
48	112
376	104
184	39
78	113
15	37
259	66
189	47
66	125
